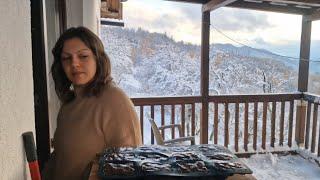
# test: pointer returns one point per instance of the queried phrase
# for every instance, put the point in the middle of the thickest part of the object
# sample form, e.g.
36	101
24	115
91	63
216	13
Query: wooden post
205	76
300	122
304	54
303	77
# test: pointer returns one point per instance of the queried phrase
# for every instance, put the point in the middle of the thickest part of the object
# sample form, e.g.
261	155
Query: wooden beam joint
314	16
215	4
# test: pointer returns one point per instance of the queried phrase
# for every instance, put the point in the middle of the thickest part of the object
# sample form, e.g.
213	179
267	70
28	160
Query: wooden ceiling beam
215	4
312	3
191	1
266	6
289	6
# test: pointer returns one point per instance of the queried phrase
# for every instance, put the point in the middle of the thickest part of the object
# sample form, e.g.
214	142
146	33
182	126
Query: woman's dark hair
103	72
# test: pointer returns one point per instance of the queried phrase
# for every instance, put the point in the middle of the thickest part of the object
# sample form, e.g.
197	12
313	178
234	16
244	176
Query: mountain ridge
153	64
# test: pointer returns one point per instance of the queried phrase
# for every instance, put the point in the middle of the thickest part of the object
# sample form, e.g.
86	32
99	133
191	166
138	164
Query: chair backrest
156	132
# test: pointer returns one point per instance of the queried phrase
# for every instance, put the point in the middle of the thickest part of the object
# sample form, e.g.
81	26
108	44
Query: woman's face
78	62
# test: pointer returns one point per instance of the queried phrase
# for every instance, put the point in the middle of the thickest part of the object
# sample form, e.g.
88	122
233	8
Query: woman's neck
78	90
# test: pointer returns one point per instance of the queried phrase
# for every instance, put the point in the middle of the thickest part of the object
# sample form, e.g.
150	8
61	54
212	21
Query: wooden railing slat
306	145
290	123
183	123
215	124
173	120
141	121
246	119
193	120
314	127
312	99
319	143
283	105
264	124
226	125
273	123
255	125
152	116
162	120
236	129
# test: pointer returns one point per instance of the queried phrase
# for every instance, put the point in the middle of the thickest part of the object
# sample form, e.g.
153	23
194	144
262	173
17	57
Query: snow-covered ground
289	167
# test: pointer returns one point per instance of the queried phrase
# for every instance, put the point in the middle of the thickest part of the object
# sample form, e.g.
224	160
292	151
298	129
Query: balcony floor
276	166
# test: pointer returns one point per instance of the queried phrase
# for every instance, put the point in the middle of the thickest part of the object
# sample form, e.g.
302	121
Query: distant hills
153	64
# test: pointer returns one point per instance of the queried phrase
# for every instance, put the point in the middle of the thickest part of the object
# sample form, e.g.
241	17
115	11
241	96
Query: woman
95	114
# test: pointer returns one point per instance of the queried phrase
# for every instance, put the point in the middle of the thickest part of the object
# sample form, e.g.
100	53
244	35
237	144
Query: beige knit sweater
88	125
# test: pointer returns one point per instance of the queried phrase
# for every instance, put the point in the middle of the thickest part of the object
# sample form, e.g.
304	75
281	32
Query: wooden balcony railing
240	122
173	102
312	128
267	114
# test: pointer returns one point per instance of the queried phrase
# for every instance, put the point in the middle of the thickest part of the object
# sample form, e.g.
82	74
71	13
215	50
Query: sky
276	32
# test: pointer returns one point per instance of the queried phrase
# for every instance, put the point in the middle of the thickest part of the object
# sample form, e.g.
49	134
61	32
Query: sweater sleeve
49	168
122	129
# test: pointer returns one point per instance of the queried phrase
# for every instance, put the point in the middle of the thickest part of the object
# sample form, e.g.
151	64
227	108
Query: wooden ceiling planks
191	1
314	3
268	6
302	7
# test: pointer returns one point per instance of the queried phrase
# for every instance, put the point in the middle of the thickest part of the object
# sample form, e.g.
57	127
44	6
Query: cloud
230	19
192	12
167	17
260	40
182	21
166	21
149	17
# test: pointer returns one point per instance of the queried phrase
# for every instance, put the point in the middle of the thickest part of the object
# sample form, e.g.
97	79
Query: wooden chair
158	136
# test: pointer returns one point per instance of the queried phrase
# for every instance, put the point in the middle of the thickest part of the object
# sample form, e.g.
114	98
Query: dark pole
61	7
40	82
205	34
304	55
